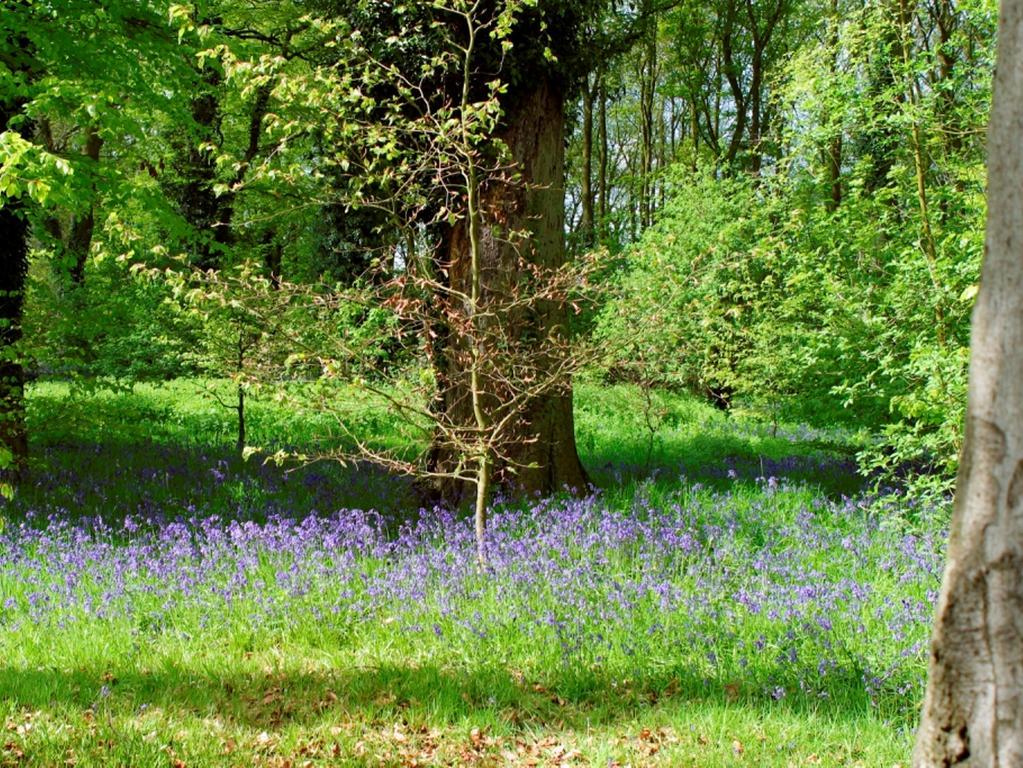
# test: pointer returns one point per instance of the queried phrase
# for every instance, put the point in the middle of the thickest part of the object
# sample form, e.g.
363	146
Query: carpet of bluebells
768	590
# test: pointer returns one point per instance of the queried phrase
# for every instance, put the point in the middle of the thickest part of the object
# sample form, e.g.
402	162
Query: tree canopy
787	197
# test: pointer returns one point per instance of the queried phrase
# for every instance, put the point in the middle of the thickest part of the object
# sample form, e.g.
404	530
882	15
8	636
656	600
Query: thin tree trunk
731	72
240	408
927	240
73	243
477	394
80	235
240	444
196	199
273	258
945	17
224	231
545	458
834	150
881	139
586	191
756	98
834	162
761	41
694	129
481	506
648	90
660	157
973	710
672	130
603	193
714	123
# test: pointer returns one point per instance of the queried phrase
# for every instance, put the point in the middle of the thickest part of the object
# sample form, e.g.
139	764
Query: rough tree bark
973	711
546	459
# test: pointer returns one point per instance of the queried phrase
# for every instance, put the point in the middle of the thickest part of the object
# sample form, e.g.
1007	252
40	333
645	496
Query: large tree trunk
545	458
973	711
13	269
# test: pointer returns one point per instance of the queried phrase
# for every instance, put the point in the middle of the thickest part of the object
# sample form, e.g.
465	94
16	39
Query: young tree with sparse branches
490	333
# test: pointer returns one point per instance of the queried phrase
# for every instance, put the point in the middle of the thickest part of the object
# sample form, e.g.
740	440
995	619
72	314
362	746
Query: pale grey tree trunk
973	711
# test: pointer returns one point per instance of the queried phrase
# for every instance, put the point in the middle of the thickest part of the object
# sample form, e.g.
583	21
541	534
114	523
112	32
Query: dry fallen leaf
14	750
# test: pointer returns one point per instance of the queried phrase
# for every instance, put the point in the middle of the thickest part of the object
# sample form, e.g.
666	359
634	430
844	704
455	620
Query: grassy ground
133	645
304	706
624	439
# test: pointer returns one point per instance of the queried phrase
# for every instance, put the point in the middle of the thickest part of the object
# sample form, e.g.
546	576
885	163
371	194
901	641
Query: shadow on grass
160	480
153	450
164	481
429	695
722	460
409	716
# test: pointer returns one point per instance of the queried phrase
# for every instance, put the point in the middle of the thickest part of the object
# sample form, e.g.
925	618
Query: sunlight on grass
164	603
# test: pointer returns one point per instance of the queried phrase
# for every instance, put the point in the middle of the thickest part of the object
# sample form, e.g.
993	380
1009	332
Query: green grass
101	694
313	707
613	429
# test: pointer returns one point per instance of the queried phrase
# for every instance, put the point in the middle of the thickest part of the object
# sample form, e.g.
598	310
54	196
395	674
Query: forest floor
731	595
